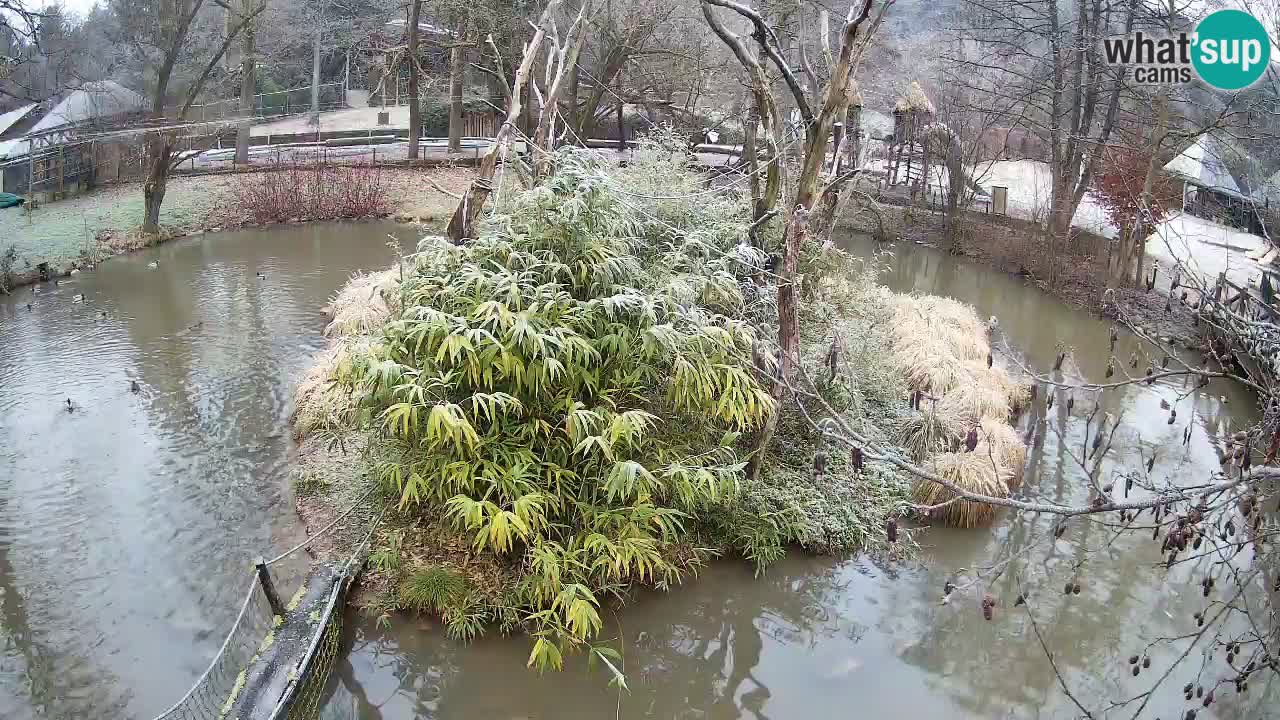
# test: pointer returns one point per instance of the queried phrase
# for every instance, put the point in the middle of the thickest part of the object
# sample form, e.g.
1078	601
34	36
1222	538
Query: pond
858	637
127	524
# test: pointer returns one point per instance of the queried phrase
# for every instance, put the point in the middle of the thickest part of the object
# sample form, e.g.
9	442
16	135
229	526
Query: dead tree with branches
161	31
812	187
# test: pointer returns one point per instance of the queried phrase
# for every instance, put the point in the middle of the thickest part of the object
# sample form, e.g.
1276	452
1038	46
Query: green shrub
432	589
571	392
555	410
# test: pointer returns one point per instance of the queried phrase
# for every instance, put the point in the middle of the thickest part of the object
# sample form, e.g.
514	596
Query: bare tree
415	71
561	62
462	223
248	74
812	186
161	31
1041	62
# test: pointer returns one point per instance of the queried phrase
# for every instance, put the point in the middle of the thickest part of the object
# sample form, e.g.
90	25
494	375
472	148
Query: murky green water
126	526
831	637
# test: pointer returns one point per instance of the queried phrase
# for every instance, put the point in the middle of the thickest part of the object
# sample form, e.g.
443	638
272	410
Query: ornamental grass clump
547	398
973	471
945	353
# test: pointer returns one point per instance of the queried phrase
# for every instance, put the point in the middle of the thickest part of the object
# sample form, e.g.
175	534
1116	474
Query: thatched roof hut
912	111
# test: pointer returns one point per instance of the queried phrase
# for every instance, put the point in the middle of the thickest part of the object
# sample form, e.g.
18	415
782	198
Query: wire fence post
268	587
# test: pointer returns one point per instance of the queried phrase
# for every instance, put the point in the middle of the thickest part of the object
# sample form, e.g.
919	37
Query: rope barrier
323	531
209	695
244	606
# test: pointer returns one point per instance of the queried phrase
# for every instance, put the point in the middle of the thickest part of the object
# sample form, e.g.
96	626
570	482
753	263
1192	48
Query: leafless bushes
309	192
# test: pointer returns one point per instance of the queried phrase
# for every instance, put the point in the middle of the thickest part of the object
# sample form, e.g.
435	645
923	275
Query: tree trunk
415	119
457	75
590	111
157	179
853	126
247	87
315	79
571	99
1153	167
622	126
752	160
1122	262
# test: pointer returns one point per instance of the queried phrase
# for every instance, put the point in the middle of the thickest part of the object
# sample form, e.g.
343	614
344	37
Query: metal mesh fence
209	697
308	698
216	691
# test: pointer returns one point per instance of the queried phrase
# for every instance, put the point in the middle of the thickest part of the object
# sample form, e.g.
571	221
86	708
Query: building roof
1204	163
92	100
8	119
914	100
424	26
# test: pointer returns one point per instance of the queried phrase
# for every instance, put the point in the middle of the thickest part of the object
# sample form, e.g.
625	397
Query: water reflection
820	637
124	524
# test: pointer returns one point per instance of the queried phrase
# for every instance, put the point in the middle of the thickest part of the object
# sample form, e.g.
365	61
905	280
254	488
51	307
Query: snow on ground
1203	246
1030	185
1207	248
59	232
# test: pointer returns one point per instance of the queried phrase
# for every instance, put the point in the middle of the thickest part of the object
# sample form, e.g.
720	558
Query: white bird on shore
993	324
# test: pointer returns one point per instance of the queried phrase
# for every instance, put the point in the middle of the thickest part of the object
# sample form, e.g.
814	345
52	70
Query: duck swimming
70	406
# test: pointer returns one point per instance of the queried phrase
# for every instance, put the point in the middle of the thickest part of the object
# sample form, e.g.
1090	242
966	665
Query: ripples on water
827	637
126	526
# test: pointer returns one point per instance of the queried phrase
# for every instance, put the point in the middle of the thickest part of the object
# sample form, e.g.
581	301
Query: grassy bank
564	409
89	228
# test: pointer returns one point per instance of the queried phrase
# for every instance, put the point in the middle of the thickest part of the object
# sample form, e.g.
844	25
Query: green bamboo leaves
561	407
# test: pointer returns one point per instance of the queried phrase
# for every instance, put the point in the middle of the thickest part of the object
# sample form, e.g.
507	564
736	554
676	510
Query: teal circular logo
1231	50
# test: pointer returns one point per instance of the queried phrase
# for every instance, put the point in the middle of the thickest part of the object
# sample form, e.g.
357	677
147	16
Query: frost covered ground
1203	246
59	232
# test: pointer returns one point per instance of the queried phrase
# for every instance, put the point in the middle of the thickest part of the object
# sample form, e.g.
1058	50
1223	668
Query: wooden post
622	128
268	587
31	174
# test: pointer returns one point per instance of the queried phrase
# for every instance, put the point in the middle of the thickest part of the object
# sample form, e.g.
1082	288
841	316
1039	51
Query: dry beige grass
924	434
315	400
972	471
361	306
998	440
942	347
358	309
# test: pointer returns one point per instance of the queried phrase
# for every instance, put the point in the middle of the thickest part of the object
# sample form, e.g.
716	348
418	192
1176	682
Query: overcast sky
78	7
